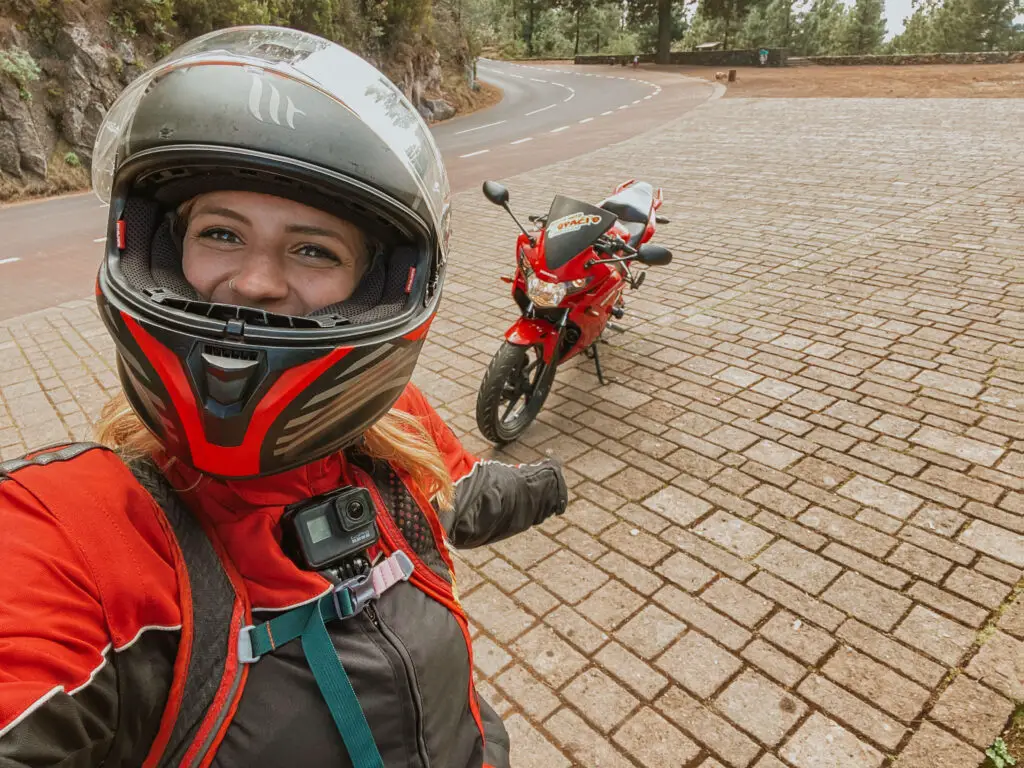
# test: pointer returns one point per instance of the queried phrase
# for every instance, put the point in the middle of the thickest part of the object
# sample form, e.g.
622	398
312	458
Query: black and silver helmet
242	392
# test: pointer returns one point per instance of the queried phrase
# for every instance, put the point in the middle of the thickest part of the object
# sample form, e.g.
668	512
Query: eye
220	235
317	254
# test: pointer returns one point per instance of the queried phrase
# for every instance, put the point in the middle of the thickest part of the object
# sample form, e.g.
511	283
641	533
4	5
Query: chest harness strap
307	623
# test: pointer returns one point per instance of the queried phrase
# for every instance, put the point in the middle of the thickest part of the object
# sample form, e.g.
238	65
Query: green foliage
864	29
70	158
999	754
960	25
19	65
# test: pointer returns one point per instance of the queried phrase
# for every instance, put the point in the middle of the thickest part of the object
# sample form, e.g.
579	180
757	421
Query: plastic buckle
245	652
405	564
360	591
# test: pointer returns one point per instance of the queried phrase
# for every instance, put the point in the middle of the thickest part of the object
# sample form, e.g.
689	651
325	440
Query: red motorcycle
571	272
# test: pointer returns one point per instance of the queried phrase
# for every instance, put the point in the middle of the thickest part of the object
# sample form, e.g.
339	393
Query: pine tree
864	30
821	26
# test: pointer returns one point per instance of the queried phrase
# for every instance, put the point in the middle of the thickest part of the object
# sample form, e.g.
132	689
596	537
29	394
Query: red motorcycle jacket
120	616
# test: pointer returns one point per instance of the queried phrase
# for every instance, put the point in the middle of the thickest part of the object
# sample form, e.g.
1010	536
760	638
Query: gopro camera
320	532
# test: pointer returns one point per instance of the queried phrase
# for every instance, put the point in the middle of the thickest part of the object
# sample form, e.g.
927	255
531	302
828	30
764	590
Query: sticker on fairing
572	223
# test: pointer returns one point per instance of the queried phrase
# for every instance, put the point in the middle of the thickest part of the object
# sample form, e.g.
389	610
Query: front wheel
513	391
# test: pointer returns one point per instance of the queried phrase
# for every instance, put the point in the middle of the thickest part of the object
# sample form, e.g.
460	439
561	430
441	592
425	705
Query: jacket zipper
372	614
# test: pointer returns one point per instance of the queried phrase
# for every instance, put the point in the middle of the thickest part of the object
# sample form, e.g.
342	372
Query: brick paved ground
797	532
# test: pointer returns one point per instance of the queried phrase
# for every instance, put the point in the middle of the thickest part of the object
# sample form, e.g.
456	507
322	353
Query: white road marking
637	101
542	109
534	79
624	106
517	77
606	113
520	141
11	260
474	154
586	120
563	128
569	97
479	128
647	97
100	239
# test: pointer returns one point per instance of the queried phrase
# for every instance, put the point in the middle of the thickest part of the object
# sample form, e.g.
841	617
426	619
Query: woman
260	573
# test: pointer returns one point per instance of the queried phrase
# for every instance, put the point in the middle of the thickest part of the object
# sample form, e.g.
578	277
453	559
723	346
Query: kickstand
597	362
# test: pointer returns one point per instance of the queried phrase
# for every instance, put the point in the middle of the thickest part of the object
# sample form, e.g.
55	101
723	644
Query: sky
895	12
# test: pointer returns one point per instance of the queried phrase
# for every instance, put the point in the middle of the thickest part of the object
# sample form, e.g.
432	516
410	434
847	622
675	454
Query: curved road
50	247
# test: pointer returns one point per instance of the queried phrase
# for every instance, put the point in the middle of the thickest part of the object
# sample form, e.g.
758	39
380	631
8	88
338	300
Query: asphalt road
49	248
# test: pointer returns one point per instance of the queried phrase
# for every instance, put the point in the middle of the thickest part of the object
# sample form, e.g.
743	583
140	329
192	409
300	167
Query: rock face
81	75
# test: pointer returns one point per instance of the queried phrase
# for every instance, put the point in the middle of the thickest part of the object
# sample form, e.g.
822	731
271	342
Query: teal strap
289	626
337	690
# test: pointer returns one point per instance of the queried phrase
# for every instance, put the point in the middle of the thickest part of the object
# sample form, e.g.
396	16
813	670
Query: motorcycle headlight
543	293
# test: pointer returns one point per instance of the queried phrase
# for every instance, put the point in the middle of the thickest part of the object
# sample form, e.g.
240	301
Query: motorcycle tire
512	377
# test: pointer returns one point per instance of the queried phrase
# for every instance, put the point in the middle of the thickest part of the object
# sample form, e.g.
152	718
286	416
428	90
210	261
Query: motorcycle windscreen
572	227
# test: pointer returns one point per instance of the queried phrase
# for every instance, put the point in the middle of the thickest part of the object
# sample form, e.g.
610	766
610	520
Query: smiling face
269	253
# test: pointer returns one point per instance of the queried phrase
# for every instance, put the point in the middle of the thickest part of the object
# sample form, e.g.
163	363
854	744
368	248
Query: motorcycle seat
636	231
632	204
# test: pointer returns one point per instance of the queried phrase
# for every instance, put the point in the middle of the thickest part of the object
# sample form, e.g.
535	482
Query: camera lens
355	511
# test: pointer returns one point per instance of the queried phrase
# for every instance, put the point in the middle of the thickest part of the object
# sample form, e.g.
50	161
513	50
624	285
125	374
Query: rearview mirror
654	255
496	193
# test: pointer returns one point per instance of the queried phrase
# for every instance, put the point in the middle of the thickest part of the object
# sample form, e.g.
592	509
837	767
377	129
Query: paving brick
602	701
568	575
931	747
870	602
774	663
937	544
654	741
610	605
760	707
1000	571
678	506
685	571
997	542
489	658
704	550
737	602
880	496
577	630
733	534
529	694
847	531
807	643
650	632
524	550
936	635
530	749
884	649
772	454
974	451
797	601
798	566
823	742
633	484
943	601
731	438
637	576
497	614
976	587
1012	619
698	664
635	544
975	712
777	500
876	683
584	744
696	613
999	664
629	669
596	465
551	658
710	730
863	718
919	562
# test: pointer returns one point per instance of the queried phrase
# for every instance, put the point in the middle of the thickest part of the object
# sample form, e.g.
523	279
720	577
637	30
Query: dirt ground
957	81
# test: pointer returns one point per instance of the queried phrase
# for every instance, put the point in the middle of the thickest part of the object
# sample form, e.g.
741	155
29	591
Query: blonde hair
398	438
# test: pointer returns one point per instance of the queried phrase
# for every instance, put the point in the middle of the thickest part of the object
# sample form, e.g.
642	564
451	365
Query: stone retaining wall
740	58
988	57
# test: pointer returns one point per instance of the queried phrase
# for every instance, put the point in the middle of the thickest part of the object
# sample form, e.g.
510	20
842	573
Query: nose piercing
231	284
